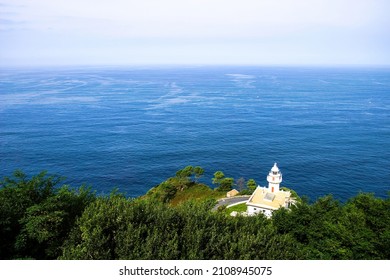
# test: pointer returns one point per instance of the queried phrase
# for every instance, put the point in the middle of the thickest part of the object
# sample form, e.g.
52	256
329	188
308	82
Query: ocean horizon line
192	65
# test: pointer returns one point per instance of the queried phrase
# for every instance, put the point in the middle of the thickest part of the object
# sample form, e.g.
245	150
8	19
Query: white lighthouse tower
266	200
274	179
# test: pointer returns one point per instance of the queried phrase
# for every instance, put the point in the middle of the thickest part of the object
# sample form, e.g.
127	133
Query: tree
94	236
199	171
374	214
36	217
251	184
226	184
17	194
218	176
185	173
222	183
48	224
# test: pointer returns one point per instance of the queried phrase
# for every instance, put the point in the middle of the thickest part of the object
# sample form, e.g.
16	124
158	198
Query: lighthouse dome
275	168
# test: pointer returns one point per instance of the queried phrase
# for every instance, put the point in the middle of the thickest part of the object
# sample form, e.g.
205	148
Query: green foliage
196	192
188	172
96	231
185	179
35	217
118	228
226	184
245	192
17	194
199	171
251	185
218	176
163	192
182	187
294	194
223	184
328	230
374	216
41	221
185	173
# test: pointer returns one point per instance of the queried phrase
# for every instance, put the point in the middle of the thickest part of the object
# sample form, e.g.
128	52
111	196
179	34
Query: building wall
252	210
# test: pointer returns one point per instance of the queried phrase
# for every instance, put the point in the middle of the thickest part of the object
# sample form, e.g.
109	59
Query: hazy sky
261	32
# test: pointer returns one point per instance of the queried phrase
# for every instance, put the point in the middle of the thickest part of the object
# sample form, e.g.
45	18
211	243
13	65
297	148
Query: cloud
200	18
177	31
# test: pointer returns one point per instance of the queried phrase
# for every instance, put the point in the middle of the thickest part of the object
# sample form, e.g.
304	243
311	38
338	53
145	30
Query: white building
266	200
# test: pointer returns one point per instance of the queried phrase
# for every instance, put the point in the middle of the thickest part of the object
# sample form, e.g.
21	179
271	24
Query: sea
130	128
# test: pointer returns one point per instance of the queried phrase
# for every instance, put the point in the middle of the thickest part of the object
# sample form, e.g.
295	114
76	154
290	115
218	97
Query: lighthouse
274	179
268	199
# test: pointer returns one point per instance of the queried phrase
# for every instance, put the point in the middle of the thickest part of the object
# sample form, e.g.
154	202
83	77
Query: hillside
183	187
41	220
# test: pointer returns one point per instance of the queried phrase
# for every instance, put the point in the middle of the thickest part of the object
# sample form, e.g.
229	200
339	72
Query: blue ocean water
131	128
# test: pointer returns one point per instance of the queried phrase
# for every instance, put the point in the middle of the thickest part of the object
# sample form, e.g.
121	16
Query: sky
201	32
